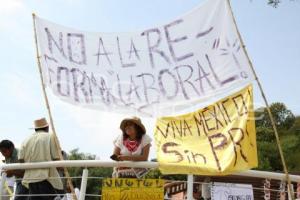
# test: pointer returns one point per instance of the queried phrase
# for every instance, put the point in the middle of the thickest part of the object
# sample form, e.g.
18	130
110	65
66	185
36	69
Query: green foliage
289	131
296	127
94	185
268	156
154	173
76	155
264	134
284	118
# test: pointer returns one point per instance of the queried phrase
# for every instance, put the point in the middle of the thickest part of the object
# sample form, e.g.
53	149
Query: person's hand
123	158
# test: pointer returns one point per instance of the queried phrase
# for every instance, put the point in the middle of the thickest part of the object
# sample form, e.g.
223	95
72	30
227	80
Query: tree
288	126
94	185
283	117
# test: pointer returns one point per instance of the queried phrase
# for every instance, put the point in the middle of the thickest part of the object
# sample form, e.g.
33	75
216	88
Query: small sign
230	191
129	188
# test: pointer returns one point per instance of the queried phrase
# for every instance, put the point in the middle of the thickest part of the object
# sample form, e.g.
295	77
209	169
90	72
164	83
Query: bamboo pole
266	102
67	175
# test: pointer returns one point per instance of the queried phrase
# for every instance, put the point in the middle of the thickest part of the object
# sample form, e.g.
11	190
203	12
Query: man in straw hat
40	147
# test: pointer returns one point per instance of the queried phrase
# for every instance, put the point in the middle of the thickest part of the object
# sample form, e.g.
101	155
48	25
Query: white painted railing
95	163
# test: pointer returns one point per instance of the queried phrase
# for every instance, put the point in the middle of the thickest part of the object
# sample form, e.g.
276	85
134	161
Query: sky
271	37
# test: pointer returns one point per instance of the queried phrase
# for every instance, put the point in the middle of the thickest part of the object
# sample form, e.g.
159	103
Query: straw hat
134	120
40	123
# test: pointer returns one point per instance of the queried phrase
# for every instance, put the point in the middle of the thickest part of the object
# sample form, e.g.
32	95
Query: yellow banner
216	140
129	188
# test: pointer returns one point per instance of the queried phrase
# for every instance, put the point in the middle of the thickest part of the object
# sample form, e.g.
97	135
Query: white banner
231	191
158	71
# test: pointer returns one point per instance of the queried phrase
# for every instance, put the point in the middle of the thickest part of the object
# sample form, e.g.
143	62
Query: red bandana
131	145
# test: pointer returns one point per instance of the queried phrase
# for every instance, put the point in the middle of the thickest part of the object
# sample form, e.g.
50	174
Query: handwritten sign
139	189
230	191
218	139
189	59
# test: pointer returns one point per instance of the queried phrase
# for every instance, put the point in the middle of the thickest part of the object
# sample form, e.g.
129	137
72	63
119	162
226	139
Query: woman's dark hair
139	132
6	144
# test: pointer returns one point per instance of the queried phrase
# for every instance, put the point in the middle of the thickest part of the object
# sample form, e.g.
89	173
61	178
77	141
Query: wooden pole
266	102
67	175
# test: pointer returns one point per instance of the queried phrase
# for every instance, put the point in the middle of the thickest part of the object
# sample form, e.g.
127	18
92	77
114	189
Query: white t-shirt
118	142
